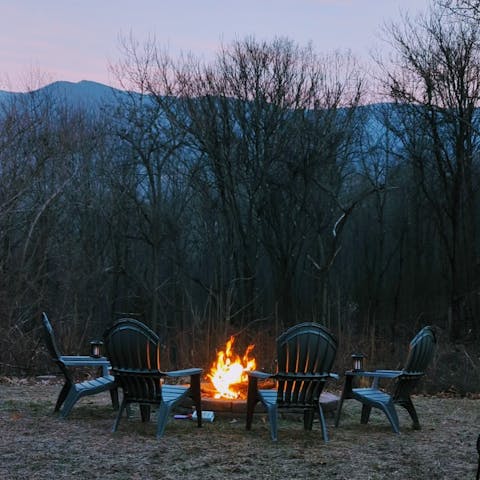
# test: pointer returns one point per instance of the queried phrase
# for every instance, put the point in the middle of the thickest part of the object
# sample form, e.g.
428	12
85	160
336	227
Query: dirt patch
36	444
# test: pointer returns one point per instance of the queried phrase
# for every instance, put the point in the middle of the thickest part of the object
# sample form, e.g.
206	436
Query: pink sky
47	40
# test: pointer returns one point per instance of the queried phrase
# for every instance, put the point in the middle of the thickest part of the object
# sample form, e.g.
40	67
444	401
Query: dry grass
36	444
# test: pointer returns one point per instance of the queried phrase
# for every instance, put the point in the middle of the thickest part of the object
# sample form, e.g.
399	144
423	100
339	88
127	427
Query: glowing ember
228	372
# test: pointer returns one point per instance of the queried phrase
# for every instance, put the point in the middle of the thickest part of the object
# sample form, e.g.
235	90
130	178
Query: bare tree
266	120
463	8
267	137
50	241
152	175
435	79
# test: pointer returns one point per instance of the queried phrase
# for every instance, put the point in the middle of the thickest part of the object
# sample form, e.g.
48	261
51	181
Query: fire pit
226	388
228	375
224	405
329	402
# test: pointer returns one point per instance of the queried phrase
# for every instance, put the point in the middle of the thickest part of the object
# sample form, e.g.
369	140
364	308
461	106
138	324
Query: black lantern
358	362
95	348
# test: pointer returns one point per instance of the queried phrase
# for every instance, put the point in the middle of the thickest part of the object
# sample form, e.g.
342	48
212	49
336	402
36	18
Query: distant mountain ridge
85	90
94	95
83	93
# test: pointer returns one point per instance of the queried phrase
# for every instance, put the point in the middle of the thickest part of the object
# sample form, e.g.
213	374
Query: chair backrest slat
53	349
134	353
421	351
50	340
302	351
420	354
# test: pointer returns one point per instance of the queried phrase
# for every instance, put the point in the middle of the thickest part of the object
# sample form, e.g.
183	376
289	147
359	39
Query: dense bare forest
244	195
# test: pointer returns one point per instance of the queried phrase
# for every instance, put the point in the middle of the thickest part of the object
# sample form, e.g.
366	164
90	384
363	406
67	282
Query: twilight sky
46	40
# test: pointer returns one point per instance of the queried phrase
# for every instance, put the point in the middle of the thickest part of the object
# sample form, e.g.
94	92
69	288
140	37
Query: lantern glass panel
95	348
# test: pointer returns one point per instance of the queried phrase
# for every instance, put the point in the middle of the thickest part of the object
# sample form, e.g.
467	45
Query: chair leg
119	415
323	424
308	418
409	407
250	411
252	400
72	398
62	396
391	413
366	409
196	395
163	414
338	412
145	412
272	418
114	397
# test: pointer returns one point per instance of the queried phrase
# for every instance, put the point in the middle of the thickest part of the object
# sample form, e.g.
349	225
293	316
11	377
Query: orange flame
228	372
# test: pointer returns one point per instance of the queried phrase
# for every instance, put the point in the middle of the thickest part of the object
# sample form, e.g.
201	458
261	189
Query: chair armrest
377	375
388	373
86	361
184	373
259	375
335	376
83	360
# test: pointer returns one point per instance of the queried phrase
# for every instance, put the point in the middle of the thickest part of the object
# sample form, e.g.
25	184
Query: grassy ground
36	444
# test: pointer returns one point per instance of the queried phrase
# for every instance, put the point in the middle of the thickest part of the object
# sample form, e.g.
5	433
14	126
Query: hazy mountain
85	93
93	95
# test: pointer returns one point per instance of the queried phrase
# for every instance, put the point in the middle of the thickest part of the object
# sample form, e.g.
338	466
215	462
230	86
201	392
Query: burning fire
229	371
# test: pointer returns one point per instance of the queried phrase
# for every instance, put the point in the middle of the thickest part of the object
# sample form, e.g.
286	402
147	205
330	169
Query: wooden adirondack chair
134	353
72	391
305	355
420	354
